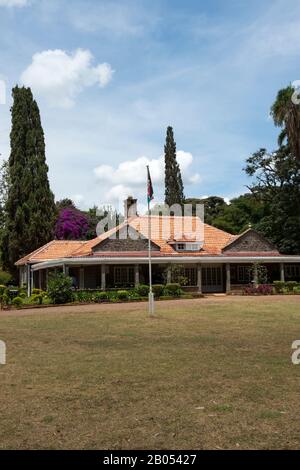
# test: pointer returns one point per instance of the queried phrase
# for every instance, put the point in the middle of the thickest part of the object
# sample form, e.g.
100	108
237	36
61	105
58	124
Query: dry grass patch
203	374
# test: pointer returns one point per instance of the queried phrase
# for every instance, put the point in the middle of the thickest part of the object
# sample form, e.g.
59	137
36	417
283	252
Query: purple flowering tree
71	224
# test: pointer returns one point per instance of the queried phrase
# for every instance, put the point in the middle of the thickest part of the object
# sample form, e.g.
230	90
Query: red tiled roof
52	250
164	231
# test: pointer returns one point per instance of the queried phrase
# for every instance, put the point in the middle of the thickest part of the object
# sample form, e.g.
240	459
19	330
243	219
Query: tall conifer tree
173	180
30	208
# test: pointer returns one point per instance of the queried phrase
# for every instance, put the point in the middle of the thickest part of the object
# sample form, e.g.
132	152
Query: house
215	262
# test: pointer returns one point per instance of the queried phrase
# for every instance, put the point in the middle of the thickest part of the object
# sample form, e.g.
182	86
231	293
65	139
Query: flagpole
151	296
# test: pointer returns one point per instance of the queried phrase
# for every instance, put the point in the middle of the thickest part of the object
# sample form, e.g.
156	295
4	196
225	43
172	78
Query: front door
212	278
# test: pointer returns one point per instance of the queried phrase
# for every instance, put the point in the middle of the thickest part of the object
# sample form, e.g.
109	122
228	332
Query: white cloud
129	177
14	3
60	77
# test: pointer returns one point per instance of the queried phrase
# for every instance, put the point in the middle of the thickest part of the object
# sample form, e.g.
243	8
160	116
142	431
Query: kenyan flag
149	186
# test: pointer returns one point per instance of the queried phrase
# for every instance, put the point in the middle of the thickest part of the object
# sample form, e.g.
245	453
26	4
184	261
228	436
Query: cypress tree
30	207
173	180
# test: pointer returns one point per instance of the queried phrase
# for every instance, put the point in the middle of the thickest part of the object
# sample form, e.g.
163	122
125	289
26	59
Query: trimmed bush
123	295
17	301
37	299
60	289
279	286
101	296
285	287
157	290
290	285
173	288
143	290
296	289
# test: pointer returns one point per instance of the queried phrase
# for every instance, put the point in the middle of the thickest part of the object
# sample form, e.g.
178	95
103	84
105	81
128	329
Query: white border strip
161	260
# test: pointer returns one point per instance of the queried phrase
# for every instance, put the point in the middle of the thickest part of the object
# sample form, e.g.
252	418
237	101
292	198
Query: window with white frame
188	246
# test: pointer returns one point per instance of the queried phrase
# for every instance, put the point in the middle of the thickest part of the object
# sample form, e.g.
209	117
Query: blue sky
110	76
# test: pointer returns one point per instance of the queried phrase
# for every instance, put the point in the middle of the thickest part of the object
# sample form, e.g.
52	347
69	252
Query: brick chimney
130	207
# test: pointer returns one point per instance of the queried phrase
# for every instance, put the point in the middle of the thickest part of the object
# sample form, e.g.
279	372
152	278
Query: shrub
17	301
262	289
279	286
157	290
3	289
4	298
101	296
143	290
123	294
285	287
37	299
5	277
290	285
60	289
38	296
36	291
173	289
296	289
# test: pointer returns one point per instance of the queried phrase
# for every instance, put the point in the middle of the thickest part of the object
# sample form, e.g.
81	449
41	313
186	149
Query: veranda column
282	274
228	280
199	278
28	280
103	277
136	275
169	275
255	276
40	279
81	278
66	270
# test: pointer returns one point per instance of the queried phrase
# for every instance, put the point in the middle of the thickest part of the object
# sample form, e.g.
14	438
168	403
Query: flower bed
278	287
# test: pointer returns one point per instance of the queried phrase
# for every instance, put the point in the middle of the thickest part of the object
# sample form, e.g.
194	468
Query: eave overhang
87	261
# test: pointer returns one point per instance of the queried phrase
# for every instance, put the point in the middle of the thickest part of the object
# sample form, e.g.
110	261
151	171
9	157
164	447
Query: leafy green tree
214	207
4	182
30	208
65	203
277	183
173	180
241	213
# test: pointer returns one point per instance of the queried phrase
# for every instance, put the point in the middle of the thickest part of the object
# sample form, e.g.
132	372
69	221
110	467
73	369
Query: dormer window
194	246
181	247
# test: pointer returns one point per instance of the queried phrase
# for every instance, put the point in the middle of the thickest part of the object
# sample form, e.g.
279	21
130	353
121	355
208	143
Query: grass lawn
209	373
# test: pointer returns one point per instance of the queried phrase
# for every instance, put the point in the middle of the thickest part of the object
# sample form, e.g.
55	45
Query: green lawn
204	374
